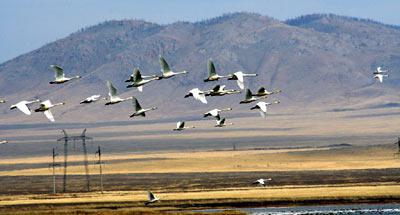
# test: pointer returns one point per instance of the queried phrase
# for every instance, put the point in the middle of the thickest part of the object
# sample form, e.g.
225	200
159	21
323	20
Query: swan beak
187	95
252	108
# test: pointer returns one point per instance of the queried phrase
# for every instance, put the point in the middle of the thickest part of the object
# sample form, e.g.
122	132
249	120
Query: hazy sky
26	25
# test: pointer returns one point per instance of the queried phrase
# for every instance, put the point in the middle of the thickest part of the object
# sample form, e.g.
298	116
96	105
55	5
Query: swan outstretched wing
49	115
59	72
164	65
140	88
112	91
199	95
211	68
24	108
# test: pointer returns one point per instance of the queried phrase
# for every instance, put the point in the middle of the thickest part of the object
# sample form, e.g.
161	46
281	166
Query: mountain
320	61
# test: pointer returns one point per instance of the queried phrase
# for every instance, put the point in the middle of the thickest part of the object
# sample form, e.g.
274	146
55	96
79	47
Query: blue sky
26	25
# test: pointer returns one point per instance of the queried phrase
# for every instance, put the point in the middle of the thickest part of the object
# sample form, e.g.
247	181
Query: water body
365	209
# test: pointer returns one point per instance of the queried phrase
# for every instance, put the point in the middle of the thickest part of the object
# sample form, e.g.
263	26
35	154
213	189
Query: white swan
23	106
221	123
262	182
151	198
239	77
45	108
198	95
181	126
90	99
138	81
60	76
250	98
263	92
2	101
139	111
220	90
379	74
166	71
215	112
263	107
112	95
3	142
212	74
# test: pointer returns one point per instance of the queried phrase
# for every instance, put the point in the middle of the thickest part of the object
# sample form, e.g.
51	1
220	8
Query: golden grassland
361	157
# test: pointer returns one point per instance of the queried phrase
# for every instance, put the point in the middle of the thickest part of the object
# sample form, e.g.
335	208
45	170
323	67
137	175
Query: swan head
13	107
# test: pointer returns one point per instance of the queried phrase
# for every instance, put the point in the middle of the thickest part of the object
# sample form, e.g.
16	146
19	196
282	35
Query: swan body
220	90
262	182
90	99
138	81
198	95
250	97
151	198
263	92
3	142
221	123
112	95
23	106
263	107
60	76
166	71
45	108
215	112
139	111
239	77
212	74
181	126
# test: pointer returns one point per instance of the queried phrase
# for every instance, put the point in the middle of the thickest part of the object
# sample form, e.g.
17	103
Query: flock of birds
137	80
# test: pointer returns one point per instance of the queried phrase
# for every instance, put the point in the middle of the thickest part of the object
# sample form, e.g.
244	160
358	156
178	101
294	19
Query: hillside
321	62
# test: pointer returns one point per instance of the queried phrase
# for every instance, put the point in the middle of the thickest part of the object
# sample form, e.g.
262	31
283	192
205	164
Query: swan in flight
221	123
263	92
112	94
198	95
212	74
166	71
138	81
181	126
45	108
90	99
262	181
139	111
220	90
379	74
151	198
60	76
23	106
2	101
263	107
3	142
215	112
239	77
250	97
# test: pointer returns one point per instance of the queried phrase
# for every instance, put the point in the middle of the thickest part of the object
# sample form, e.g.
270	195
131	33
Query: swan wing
198	95
211	68
136	104
137	76
379	77
151	196
49	115
240	84
112	91
140	88
164	65
59	72
22	107
46	103
263	114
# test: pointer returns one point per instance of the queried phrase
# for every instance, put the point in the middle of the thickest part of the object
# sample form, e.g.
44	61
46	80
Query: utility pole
53	165
98	152
65	138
